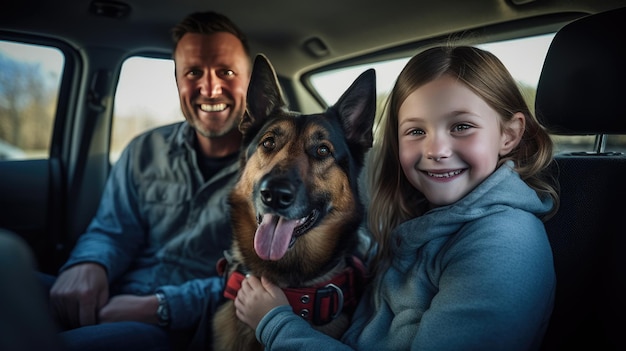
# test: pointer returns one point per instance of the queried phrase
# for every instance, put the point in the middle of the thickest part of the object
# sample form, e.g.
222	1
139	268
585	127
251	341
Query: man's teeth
444	175
213	108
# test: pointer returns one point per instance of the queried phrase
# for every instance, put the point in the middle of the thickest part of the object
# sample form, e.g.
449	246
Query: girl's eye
269	144
461	127
323	151
416	132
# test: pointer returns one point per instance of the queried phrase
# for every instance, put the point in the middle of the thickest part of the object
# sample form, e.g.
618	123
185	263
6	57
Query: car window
30	78
525	68
146	97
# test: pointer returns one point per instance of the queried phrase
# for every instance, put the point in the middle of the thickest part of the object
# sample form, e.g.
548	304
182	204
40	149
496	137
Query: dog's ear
264	94
357	107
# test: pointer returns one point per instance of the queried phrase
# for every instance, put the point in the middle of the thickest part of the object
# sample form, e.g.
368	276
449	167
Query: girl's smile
444	175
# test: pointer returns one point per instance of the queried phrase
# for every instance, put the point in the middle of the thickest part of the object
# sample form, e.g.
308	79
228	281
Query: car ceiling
280	29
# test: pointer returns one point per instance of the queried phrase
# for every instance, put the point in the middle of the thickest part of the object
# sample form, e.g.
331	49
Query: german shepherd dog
296	209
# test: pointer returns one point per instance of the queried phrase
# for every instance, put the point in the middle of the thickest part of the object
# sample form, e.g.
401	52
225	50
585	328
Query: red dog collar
322	303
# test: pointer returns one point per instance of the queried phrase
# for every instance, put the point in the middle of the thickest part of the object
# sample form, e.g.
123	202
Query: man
144	272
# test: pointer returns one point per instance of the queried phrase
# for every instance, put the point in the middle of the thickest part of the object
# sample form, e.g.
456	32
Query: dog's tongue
272	237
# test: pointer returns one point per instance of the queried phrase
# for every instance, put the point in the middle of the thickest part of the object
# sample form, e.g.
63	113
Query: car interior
53	169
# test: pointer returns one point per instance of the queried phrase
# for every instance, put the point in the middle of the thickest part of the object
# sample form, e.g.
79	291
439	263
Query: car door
54	135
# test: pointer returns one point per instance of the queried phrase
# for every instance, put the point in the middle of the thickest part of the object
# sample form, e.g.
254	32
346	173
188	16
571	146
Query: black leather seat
582	91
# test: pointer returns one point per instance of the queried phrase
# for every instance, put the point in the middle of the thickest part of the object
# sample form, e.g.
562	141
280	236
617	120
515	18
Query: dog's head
297	197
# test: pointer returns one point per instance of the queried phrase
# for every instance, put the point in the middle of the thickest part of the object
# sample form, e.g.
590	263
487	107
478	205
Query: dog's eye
323	151
269	144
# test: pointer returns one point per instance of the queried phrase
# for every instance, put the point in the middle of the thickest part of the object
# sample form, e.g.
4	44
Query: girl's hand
256	298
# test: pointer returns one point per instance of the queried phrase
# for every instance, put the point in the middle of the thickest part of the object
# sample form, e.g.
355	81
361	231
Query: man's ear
513	132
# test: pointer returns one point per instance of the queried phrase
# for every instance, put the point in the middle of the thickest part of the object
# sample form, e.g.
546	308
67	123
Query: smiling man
212	75
143	273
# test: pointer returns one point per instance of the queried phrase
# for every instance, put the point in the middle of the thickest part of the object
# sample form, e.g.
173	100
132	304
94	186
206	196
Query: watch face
163	311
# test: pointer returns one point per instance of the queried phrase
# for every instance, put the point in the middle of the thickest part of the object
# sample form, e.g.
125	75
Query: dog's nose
277	193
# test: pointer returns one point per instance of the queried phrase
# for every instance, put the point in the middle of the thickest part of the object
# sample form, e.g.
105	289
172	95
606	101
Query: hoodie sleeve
281	329
189	301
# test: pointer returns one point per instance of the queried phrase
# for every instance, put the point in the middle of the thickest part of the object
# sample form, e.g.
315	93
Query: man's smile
213	107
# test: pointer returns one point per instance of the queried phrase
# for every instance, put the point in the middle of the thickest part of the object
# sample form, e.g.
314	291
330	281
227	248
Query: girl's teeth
444	175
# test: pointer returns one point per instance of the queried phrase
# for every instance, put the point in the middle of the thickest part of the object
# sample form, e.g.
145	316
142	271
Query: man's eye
228	73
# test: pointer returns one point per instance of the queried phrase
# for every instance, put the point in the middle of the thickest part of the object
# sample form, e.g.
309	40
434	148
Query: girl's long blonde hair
393	199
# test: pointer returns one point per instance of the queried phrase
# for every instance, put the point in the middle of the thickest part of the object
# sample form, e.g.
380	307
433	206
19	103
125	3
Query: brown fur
316	159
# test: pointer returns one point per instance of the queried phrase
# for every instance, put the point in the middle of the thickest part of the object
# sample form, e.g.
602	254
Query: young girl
458	193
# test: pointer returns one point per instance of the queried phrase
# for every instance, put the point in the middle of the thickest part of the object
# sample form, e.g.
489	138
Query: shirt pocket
164	208
165	193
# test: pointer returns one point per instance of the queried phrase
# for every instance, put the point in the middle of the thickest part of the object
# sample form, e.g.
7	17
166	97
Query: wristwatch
163	311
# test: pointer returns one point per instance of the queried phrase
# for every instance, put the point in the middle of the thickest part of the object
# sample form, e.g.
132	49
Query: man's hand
256	298
130	308
78	294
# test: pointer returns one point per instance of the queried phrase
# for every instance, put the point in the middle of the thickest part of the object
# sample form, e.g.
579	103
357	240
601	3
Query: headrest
582	87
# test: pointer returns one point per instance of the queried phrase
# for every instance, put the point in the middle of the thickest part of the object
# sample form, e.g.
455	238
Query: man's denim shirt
160	225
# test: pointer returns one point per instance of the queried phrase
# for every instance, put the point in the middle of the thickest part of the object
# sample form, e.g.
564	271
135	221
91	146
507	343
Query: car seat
582	91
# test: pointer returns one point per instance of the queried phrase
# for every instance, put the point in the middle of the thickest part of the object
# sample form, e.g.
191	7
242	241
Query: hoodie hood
502	191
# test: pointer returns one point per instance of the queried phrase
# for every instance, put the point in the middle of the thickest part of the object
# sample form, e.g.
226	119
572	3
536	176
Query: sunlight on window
146	97
523	57
331	84
30	78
